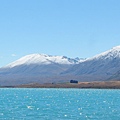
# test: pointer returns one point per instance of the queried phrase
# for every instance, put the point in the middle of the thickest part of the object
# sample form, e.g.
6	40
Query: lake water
59	104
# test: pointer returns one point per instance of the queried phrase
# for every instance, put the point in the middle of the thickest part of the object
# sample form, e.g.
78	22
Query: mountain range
42	68
102	67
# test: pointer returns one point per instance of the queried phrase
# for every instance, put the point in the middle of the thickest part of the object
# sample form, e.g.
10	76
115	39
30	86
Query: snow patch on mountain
42	59
107	55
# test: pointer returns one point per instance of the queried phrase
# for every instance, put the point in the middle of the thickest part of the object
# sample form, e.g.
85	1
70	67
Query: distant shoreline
80	85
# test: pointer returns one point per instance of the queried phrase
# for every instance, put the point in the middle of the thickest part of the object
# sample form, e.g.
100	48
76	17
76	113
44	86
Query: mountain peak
116	47
42	59
109	54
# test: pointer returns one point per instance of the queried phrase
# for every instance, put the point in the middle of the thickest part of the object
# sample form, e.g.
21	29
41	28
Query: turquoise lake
59	104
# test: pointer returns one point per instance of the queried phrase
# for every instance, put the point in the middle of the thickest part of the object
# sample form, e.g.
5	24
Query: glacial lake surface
59	104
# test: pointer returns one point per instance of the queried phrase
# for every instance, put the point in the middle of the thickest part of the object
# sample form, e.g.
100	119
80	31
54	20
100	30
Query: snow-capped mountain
99	67
37	63
42	68
35	66
108	55
42	59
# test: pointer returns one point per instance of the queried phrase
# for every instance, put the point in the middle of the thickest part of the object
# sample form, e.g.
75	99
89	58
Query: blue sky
75	28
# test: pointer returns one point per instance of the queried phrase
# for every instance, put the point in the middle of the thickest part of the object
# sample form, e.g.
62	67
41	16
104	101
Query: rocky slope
99	67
